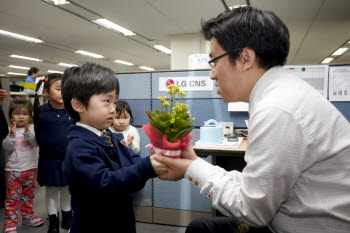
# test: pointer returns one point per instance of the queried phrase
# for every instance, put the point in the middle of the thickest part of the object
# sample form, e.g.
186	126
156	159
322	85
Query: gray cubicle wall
136	90
344	108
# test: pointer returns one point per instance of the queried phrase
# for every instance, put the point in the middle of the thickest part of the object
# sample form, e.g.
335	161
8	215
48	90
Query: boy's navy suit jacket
102	180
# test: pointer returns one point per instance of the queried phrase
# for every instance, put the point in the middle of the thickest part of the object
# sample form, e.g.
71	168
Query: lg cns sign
198	83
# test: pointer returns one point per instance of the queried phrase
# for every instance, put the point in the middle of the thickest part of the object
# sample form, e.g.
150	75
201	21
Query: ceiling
317	28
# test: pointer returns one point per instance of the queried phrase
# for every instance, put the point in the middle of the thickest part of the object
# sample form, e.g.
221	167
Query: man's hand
159	168
176	167
3	94
13	128
188	153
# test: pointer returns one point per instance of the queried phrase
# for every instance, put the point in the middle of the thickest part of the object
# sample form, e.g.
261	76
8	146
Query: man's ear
247	59
77	105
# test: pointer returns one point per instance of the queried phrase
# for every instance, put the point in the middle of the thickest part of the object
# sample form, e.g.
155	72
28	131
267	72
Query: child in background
122	124
21	167
103	172
51	123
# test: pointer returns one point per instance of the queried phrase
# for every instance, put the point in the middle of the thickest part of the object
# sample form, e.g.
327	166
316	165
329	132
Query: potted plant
169	128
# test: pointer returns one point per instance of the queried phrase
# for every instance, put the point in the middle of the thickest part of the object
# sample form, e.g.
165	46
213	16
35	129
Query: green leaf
183	133
158	112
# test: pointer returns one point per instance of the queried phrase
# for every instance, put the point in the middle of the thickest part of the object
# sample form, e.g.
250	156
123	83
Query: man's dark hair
85	81
33	70
249	27
123	106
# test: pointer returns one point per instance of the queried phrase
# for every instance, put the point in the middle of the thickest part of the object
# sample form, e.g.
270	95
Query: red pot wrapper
159	142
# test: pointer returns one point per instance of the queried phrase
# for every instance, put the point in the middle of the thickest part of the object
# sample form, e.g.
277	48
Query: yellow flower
184	106
171	91
161	98
182	93
175	121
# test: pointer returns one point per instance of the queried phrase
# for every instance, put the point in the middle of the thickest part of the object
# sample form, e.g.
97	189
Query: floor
39	206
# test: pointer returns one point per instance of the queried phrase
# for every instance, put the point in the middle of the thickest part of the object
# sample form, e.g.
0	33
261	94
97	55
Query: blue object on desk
211	133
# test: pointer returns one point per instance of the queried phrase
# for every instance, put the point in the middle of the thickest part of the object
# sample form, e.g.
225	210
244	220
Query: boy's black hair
85	81
124	106
32	70
18	103
48	80
249	27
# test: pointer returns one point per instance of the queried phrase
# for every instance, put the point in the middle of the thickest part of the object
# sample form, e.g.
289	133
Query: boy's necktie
106	137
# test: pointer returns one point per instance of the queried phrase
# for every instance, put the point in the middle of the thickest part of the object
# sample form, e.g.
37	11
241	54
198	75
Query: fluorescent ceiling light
112	26
57	2
2	75
162	49
21	37
60	2
327	60
237	6
146	68
55	71
19	67
89	54
124	62
66	64
26	58
340	51
13	73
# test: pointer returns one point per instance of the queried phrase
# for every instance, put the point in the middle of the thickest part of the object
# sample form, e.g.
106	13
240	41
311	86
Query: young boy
102	171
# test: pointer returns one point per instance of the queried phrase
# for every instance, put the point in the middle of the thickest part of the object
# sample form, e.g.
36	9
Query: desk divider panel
136	90
135	86
144	196
344	108
181	194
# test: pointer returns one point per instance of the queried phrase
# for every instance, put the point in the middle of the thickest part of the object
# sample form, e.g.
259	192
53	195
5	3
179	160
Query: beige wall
185	45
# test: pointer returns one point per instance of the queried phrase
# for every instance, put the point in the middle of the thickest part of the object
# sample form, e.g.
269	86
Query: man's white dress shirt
297	177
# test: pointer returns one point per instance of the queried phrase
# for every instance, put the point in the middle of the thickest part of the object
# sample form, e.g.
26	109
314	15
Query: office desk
238	153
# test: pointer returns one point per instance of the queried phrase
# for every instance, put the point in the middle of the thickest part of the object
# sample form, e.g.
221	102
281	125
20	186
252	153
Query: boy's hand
130	139
159	168
13	128
176	167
